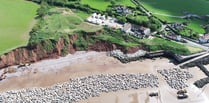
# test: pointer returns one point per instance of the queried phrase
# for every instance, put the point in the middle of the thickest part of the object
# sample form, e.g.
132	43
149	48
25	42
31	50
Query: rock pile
80	88
176	78
125	58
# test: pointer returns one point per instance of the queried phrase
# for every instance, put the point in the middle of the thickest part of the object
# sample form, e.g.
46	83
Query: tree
113	2
43	10
153	27
63	2
121	19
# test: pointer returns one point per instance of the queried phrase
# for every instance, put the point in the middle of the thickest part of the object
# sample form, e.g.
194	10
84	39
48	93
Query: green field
17	18
103	4
176	8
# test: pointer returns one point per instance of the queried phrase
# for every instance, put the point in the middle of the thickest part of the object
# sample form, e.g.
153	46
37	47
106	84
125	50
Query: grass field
16	20
177	7
103	4
193	24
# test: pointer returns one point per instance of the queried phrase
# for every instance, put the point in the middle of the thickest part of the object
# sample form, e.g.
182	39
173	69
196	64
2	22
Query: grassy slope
102	4
176	47
177	7
61	22
71	22
16	20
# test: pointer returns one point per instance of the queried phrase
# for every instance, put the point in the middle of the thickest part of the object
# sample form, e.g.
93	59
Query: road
196	44
191	60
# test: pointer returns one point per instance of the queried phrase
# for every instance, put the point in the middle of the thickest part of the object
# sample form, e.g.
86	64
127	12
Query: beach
50	72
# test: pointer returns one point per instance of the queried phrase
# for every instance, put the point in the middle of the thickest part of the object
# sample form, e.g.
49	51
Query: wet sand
48	72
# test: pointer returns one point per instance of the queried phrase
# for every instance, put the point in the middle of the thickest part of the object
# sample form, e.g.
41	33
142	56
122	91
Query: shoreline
94	63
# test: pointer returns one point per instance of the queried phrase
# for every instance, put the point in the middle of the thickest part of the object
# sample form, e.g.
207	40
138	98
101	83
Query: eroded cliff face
33	54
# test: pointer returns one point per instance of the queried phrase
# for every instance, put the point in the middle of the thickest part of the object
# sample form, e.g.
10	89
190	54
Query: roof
206	36
143	28
126	26
139	27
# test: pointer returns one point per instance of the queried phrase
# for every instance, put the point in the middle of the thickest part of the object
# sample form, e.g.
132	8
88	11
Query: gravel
80	89
176	78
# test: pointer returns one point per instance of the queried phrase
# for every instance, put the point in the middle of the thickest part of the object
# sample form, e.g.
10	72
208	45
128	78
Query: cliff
35	53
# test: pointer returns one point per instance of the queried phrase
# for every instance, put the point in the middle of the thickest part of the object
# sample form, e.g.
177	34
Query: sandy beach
49	72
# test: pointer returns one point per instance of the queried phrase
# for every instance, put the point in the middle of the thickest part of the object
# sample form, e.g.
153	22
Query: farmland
164	10
17	19
103	4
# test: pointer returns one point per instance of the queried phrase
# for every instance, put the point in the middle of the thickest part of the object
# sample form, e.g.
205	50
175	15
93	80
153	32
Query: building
123	10
127	28
96	19
178	26
204	38
94	15
103	17
174	37
104	20
138	31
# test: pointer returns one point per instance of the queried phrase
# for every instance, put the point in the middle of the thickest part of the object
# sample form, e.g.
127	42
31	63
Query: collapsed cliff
62	47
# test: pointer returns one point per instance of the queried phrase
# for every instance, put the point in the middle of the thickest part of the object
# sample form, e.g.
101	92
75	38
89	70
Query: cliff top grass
103	4
59	22
65	20
17	19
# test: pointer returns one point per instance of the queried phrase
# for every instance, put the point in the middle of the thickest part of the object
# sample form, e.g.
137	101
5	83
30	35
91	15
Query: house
94	15
174	37
177	26
104	20
96	19
138	31
123	10
127	28
204	38
103	17
145	31
98	16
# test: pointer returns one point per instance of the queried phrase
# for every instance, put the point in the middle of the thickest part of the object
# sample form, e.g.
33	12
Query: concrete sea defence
125	58
81	88
176	78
